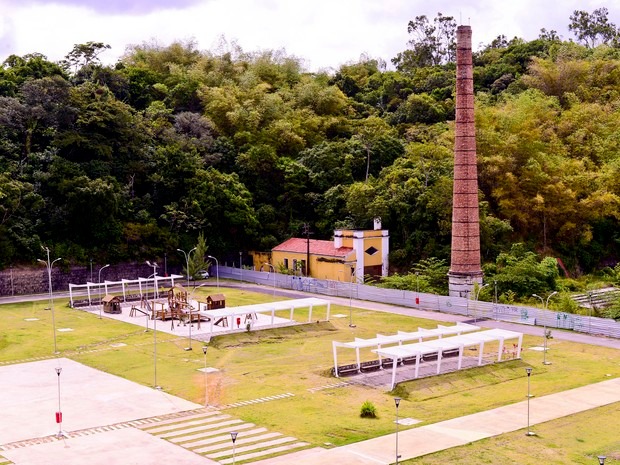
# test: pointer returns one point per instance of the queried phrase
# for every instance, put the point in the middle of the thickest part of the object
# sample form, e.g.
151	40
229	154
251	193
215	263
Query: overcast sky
324	33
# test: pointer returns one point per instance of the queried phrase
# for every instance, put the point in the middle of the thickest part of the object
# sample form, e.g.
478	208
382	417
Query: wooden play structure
216	301
111	304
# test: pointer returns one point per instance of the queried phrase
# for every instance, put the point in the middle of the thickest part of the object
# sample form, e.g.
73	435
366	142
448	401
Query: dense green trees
131	161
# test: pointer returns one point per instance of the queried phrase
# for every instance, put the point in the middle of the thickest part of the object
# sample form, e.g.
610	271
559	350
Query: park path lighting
154	313
233	437
351	325
274	276
240	267
528	370
477	296
601	459
217	270
99	282
204	351
417	288
186	261
49	266
545	306
397	403
495	301
191	323
60	433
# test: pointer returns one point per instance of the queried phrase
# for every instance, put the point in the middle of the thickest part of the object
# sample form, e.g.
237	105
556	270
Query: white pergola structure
438	346
231	313
149	284
399	338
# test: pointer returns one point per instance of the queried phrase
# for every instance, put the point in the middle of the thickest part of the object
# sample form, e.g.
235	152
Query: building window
286	263
371	251
302	266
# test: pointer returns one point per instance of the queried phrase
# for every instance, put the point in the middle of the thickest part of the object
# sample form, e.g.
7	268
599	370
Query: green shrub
368	410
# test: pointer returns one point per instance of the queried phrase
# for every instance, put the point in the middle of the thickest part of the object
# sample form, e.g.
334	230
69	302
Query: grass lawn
298	360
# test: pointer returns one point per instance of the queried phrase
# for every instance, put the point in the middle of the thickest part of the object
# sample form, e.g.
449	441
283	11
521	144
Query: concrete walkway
460	431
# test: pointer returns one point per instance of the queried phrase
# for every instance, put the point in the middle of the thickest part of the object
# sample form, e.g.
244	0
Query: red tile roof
317	247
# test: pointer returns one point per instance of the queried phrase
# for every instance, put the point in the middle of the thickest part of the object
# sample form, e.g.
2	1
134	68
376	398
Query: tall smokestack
465	269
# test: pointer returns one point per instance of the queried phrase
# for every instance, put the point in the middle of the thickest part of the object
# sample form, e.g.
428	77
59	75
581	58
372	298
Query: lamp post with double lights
545	306
154	313
186	261
233	437
528	370
217	270
51	297
397	403
274	276
99	285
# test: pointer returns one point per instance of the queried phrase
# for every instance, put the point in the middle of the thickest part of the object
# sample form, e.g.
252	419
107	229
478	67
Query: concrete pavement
459	431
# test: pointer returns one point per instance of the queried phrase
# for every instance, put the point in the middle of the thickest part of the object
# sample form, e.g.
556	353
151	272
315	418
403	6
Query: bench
370	366
445	354
347	369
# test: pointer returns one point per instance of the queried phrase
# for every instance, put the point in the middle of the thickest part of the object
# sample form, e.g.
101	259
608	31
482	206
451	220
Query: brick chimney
465	269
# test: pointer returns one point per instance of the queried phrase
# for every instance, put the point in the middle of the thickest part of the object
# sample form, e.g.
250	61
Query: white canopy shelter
439	346
149	284
399	338
247	311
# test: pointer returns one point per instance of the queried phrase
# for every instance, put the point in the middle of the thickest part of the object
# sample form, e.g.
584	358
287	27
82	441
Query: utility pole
307	232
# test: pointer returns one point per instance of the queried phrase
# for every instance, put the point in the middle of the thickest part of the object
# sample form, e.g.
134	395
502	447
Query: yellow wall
321	269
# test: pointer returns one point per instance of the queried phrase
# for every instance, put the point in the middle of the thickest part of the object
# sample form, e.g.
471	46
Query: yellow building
350	256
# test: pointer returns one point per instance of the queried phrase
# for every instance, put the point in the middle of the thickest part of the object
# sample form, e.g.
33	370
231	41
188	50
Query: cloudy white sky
325	33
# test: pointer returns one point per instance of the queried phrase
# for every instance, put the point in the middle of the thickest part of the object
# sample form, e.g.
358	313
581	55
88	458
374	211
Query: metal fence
455	305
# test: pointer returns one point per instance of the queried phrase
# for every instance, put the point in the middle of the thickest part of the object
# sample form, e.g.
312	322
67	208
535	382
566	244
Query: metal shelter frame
153	281
438	346
399	338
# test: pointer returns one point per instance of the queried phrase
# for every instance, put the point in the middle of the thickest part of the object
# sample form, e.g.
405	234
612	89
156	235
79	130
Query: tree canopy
173	143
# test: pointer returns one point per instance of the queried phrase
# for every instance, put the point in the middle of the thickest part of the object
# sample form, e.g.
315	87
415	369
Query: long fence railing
455	305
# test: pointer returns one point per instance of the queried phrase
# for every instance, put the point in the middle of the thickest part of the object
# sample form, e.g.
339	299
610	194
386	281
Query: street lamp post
478	295
233	437
99	282
60	433
601	459
274	276
51	297
204	351
351	325
154	310
397	403
528	370
186	261
417	288
217	270
240	267
545	306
